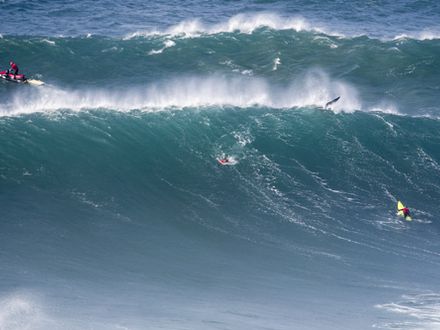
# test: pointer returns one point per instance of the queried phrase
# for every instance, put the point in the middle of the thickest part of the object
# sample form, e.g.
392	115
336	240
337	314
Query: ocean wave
250	22
243	23
314	89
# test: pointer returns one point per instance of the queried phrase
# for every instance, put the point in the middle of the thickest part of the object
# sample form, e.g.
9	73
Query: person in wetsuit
405	211
14	68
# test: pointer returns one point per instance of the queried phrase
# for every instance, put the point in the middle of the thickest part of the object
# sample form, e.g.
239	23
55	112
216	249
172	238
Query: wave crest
313	89
243	23
249	22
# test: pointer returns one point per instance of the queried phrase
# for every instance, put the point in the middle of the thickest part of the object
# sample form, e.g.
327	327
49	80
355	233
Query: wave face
137	203
115	213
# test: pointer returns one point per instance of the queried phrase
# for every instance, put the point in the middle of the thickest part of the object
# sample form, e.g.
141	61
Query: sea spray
314	89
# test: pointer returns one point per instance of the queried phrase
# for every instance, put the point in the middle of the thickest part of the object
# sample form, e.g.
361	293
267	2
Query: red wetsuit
14	67
405	211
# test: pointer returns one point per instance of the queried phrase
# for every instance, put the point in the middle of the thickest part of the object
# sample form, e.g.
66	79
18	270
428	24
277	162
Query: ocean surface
115	214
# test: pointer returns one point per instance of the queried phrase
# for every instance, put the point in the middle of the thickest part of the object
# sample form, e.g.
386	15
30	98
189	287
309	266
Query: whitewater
314	89
115	213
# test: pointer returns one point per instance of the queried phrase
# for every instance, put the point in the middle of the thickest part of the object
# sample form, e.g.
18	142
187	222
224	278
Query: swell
332	19
260	53
298	69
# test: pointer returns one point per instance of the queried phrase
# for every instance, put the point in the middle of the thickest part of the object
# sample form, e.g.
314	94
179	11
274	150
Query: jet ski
19	78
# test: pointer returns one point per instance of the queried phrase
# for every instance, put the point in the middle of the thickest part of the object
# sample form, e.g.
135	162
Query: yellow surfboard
400	206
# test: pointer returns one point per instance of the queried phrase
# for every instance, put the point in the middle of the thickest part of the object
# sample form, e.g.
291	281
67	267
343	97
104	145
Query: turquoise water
115	214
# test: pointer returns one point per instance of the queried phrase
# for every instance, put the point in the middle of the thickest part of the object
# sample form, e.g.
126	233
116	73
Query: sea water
115	214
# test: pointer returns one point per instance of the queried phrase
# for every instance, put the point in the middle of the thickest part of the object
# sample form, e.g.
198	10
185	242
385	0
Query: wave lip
243	23
313	89
426	34
249	22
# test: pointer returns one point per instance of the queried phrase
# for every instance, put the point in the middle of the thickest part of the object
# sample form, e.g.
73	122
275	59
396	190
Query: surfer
331	102
405	212
225	159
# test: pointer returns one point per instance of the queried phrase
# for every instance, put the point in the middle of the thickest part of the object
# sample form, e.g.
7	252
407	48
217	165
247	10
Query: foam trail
314	89
243	23
47	41
166	44
424	309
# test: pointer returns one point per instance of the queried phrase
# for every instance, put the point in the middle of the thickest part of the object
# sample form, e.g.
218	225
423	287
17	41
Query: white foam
325	41
167	44
20	311
385	108
313	89
422	35
249	22
422	309
50	42
243	23
243	138
232	160
237	68
155	52
427	160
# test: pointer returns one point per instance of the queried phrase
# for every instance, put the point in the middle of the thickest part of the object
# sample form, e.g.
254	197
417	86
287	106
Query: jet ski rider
14	68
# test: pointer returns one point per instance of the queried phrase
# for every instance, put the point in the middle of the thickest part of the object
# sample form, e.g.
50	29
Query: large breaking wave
115	212
314	89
